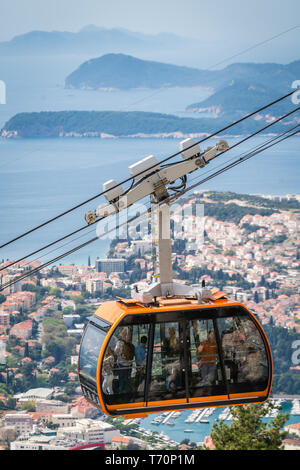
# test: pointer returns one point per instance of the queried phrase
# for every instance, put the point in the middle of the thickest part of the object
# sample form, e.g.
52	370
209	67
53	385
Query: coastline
102	135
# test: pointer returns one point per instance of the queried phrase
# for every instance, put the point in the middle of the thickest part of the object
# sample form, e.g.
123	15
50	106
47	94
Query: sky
223	27
248	20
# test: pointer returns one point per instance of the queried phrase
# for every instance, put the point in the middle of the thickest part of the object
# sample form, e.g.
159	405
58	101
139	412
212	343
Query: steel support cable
212	170
248	49
254	46
152	167
73	250
69	235
237	162
169	199
172	188
61	246
86	226
208	68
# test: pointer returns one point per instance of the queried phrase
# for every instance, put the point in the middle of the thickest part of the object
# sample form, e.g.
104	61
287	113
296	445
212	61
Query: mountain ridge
88	40
124	71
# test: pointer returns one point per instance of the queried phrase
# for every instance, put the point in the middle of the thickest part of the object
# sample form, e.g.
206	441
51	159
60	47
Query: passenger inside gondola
207	354
140	360
205	376
108	371
129	345
177	358
124	352
244	355
172	364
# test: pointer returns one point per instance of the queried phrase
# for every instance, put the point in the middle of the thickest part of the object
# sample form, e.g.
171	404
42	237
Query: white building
21	422
4	318
110	265
89	431
141	246
51	406
94	285
70	319
41	443
35	394
63	420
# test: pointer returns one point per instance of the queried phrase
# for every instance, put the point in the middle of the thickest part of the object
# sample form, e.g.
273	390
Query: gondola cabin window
124	366
90	349
157	360
244	355
168	371
205	372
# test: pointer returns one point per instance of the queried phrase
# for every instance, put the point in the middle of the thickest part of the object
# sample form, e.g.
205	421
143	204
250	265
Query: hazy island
123	72
107	124
120	71
239	98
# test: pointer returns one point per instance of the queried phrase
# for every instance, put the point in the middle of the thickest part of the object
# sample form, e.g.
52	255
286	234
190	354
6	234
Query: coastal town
251	253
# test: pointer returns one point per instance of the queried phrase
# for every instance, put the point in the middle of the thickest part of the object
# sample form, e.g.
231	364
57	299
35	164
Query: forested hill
240	98
118	124
119	71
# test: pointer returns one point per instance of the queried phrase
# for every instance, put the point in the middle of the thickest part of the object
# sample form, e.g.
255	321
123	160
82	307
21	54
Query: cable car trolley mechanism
170	347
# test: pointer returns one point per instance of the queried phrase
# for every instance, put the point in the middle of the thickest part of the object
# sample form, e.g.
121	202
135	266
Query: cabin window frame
210	313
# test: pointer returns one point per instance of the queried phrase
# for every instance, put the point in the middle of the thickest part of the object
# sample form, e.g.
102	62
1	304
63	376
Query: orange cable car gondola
173	355
171	347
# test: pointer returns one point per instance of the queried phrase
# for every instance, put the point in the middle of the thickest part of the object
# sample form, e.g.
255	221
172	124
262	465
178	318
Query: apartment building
21	422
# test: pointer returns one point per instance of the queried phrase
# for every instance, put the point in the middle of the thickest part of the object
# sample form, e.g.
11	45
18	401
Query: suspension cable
152	167
85	226
169	199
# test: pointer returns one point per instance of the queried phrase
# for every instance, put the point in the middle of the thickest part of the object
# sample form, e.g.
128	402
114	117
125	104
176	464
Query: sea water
43	177
197	431
39	178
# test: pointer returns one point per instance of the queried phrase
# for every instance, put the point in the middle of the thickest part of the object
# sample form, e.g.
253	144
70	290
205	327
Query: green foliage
281	341
68	310
55	123
220	277
254	200
40	291
111	293
251	228
105	71
233	212
249	430
11	403
29	406
276	240
2	405
42	380
56	292
56	340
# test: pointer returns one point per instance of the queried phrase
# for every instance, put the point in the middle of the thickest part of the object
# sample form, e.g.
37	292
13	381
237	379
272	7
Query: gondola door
246	354
168	371
205	371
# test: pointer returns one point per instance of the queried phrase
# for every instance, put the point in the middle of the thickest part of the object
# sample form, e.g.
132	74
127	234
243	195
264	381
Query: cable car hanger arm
154	183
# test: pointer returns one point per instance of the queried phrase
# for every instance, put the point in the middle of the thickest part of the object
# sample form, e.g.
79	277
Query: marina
196	424
295	408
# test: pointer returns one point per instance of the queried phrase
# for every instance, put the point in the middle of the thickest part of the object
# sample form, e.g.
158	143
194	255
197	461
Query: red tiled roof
124	440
